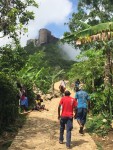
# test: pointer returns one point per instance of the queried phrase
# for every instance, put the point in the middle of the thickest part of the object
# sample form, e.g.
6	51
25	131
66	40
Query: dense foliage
93	12
14	15
44	65
89	69
98	124
12	59
8	101
91	30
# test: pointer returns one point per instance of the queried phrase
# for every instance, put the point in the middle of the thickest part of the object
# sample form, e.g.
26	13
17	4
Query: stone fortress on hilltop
45	37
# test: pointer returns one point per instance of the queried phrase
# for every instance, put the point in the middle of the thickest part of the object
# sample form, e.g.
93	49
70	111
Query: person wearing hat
83	100
69	105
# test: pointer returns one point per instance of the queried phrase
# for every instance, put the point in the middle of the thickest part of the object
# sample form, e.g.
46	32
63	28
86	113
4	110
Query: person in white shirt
62	87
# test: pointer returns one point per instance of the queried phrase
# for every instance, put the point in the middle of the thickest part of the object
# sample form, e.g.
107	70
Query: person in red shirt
68	106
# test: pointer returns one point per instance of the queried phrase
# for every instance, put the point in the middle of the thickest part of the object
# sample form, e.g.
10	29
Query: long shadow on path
35	132
78	143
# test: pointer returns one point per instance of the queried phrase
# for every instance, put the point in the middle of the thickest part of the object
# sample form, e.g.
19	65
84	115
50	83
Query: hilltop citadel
45	37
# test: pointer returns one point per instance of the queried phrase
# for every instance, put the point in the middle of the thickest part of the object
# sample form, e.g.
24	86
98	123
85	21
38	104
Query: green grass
99	146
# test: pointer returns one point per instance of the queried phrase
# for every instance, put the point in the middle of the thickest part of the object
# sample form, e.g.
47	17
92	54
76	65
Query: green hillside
43	64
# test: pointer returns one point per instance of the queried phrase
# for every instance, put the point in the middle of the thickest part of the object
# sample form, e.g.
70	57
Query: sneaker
61	142
81	130
68	147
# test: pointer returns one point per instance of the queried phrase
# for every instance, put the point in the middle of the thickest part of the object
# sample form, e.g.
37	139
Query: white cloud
49	11
70	51
4	40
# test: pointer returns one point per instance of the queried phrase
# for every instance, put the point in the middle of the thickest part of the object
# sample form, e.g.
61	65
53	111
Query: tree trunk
108	69
108	78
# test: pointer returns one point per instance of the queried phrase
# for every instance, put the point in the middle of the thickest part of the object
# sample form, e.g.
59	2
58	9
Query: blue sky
58	30
51	14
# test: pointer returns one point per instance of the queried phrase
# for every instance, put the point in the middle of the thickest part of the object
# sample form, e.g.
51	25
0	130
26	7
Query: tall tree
13	15
92	12
98	14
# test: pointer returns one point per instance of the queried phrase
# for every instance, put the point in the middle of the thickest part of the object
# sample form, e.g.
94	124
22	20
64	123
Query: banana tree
56	74
101	33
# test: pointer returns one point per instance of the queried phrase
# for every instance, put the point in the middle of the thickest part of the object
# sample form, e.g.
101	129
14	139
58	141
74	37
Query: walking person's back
66	117
82	107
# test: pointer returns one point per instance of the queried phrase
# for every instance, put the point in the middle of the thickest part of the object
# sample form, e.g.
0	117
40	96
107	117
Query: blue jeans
68	121
81	115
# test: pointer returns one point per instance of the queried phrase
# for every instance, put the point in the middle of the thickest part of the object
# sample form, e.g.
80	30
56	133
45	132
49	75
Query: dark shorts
81	115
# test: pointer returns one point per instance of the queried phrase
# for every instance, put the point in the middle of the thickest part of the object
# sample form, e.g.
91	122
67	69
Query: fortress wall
31	41
53	39
43	36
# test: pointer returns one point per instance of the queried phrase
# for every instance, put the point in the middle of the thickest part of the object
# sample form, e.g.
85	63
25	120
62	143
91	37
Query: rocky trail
41	131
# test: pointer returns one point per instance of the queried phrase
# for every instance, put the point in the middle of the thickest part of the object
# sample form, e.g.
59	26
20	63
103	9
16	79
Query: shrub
98	124
8	101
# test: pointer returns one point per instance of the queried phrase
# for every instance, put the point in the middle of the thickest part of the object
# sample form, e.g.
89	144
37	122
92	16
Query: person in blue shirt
82	108
24	102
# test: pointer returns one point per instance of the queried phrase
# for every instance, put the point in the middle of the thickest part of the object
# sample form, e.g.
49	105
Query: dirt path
41	132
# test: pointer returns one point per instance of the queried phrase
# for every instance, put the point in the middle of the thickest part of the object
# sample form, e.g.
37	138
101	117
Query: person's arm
75	108
75	112
59	111
59	108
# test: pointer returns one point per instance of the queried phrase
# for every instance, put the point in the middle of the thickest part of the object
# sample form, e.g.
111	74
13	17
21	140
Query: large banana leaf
72	35
93	30
100	32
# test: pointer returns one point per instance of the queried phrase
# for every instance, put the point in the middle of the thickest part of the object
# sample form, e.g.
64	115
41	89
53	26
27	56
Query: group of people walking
69	108
73	108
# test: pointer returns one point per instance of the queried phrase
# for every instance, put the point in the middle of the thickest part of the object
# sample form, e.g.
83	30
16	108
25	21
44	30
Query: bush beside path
41	132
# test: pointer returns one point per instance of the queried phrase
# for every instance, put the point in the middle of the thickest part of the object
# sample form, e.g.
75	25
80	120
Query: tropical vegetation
91	31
